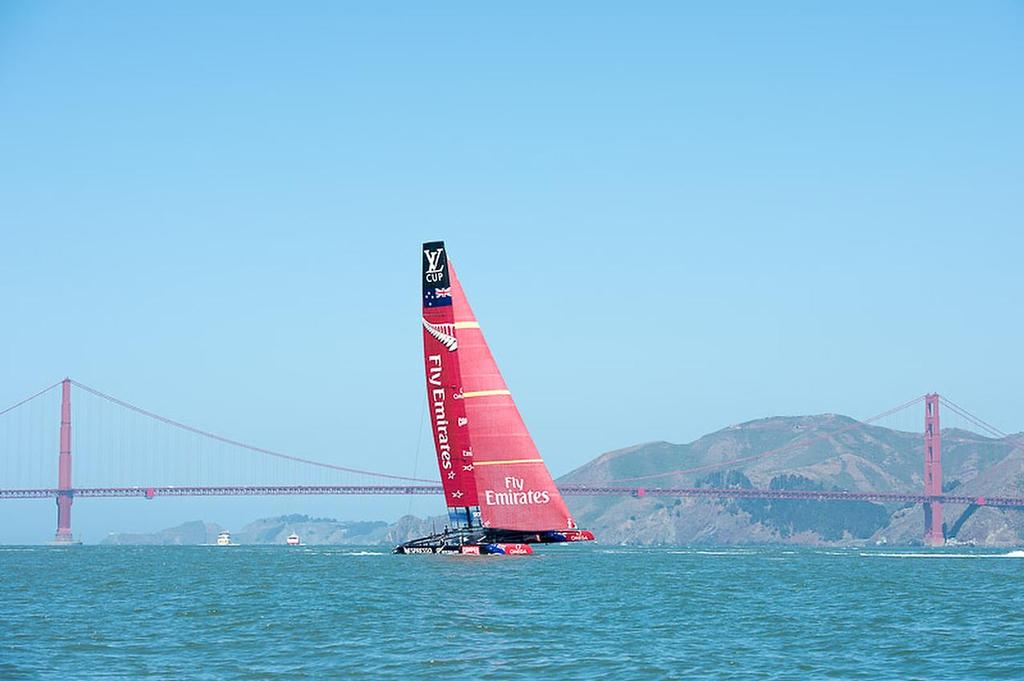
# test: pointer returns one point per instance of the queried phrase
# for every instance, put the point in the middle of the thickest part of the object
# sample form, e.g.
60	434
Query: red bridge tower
65	494
933	534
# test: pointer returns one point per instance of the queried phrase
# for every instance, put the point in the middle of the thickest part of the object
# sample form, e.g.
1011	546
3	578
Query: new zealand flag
437	297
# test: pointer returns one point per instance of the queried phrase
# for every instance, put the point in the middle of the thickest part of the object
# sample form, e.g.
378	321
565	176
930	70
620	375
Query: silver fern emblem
443	333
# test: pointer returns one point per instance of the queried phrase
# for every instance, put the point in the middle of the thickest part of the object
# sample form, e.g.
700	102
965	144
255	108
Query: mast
444	390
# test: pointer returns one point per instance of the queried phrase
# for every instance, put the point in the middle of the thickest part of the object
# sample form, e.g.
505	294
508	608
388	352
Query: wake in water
1011	554
706	552
783	555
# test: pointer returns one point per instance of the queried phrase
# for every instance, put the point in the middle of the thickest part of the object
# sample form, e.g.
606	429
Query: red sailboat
499	493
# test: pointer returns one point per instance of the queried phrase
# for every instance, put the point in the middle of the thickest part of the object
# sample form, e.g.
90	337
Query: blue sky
668	219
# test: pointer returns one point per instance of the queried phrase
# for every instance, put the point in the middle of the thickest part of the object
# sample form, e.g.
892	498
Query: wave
738	552
878	554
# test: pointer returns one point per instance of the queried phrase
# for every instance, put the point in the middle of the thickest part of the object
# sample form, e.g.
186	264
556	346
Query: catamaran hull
468	550
488	542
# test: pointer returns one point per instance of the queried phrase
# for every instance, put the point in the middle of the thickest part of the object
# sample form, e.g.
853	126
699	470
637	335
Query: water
571	612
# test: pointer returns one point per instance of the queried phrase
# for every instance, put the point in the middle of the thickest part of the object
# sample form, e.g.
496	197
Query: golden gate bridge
121	435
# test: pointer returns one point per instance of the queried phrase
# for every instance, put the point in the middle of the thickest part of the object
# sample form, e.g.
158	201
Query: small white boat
293	540
224	539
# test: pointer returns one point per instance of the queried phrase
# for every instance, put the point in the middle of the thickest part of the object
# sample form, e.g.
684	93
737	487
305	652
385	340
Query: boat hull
487	542
468	550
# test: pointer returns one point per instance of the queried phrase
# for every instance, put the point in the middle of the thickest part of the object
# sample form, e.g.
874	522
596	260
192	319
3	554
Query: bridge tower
65	495
933	534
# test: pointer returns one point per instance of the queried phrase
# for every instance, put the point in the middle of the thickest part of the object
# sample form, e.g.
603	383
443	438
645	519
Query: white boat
224	539
293	540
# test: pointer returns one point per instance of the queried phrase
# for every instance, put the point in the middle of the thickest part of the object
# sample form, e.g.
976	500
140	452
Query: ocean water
567	612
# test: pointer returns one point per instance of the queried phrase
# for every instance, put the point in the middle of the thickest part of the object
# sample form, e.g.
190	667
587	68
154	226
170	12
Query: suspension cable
237	443
1016	441
972	418
29	399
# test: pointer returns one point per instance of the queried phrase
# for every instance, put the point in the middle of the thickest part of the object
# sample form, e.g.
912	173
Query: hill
190	533
276	530
840	453
311	531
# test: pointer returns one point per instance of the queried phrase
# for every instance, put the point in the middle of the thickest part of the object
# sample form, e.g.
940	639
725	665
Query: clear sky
669	217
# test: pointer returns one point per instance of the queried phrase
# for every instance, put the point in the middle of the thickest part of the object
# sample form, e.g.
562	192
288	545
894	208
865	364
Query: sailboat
499	494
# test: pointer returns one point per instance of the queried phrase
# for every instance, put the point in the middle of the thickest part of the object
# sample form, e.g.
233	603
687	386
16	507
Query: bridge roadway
568	490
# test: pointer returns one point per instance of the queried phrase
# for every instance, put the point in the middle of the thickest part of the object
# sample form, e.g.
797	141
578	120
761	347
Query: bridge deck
568	490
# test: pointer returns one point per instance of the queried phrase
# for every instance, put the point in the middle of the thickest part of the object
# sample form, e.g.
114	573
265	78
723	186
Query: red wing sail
444	385
513	486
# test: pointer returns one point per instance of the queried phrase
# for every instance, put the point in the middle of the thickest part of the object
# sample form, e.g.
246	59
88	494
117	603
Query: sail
449	422
513	486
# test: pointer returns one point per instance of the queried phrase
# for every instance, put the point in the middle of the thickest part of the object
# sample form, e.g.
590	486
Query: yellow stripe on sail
467	325
484	393
497	463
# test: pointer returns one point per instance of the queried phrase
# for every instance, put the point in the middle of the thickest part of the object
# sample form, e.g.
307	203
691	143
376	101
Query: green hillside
826	451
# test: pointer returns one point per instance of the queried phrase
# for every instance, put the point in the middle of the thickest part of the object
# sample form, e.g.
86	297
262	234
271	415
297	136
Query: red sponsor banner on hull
515	549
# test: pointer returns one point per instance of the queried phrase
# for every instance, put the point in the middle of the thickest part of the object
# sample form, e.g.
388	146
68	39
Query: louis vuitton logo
435	268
